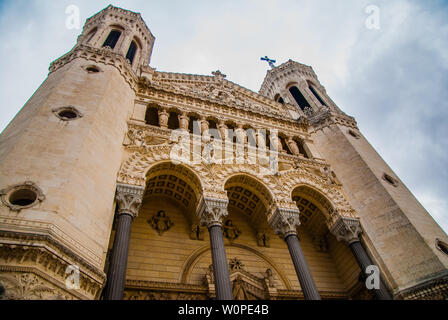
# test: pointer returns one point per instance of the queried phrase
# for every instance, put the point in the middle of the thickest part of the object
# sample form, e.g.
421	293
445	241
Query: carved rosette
212	211
285	221
129	199
346	229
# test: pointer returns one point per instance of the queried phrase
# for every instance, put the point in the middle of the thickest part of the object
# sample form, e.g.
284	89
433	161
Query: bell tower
59	159
400	235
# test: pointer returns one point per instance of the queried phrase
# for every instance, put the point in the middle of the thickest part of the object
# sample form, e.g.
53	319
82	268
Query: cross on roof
270	61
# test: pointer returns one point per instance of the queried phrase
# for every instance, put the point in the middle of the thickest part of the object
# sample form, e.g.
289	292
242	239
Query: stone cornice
165	286
102	56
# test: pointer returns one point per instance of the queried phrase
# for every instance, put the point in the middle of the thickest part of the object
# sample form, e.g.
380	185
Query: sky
383	62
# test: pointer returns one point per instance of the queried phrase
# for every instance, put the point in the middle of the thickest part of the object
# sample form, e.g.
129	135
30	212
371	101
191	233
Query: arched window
152	116
300	99
301	148
316	95
112	39
131	52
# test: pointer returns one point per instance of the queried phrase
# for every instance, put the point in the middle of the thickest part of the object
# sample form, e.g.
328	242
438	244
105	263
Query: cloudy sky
393	80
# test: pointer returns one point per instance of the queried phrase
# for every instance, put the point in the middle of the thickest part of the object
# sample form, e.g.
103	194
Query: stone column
184	121
348	230
129	199
211	212
284	222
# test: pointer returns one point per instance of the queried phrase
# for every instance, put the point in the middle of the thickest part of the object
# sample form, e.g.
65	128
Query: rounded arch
313	194
190	262
176	183
250	197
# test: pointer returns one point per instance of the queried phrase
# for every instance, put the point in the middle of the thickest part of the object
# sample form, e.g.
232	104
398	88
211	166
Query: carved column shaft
129	199
211	212
303	272
364	261
119	258
348	230
284	222
220	267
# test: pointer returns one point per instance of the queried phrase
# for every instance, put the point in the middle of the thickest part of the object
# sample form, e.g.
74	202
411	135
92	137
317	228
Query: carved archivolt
28	286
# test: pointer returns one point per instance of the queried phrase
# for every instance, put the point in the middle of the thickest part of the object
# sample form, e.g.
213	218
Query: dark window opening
112	39
285	147
152	116
92	70
173	121
442	246
23	197
131	52
301	148
68	114
300	99
278	98
317	95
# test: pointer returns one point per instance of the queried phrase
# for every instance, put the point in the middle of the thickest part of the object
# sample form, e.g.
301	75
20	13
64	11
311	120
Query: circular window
442	246
92	70
68	113
391	180
22	196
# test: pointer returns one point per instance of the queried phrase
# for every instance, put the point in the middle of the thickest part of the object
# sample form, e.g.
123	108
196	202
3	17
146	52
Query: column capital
346	229
212	211
129	199
285	221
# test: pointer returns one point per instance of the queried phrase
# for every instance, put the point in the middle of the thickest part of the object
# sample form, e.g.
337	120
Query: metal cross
270	61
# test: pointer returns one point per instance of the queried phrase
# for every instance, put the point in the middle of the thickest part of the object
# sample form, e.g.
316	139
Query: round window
22	196
68	113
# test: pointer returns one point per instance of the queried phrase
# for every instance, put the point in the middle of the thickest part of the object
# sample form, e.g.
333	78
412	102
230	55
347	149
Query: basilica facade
118	181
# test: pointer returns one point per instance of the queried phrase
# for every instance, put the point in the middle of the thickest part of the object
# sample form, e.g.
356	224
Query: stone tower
400	234
93	205
61	153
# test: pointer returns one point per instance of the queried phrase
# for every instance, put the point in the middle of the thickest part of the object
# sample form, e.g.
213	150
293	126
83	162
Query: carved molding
129	199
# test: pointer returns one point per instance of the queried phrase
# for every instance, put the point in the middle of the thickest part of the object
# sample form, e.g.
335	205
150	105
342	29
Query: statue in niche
269	278
231	231
161	222
197	233
263	239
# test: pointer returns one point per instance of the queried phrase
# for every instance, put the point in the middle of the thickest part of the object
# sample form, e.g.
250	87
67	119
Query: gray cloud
393	80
